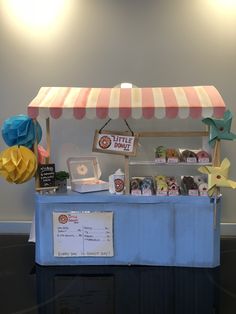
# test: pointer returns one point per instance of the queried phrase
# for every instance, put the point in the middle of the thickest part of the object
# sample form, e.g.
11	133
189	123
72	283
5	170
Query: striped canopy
148	102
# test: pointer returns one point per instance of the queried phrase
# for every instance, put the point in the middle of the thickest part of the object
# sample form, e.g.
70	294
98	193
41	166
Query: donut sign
113	142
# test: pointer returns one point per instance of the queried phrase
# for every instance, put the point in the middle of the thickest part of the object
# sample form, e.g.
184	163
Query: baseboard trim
228	229
15	227
23	227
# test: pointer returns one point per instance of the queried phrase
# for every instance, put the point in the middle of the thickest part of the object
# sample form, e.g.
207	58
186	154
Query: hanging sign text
115	143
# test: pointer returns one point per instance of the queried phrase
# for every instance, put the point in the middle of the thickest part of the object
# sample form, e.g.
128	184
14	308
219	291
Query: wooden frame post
127	189
216	154
48	140
35	148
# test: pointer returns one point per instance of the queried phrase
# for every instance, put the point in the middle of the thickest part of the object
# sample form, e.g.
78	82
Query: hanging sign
113	142
46	175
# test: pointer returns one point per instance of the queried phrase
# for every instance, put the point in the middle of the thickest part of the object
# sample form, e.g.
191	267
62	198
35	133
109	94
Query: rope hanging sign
115	142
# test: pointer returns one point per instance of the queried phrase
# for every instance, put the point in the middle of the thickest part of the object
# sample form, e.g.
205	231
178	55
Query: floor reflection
120	289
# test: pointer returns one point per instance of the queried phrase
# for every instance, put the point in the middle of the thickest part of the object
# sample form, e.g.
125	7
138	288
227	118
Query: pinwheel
218	176
220	128
18	164
21	130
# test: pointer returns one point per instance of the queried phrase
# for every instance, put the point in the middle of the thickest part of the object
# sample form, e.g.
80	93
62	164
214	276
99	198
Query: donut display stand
136	230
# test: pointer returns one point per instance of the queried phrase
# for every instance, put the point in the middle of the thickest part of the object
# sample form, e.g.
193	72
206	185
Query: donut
104	142
198	180
160	179
189	183
173	187
188	154
160	152
82	170
171	180
203	188
162	187
135	184
202	154
172	153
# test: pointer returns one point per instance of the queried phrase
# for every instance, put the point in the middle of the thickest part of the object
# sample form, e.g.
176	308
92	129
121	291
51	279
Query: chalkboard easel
46	173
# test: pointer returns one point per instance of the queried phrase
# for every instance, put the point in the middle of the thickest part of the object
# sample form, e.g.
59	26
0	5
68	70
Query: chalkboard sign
46	175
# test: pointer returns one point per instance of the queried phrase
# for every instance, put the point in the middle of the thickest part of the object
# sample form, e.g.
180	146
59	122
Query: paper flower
42	155
18	164
220	128
20	130
218	176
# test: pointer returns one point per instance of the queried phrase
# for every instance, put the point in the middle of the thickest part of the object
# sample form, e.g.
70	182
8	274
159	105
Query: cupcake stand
133	230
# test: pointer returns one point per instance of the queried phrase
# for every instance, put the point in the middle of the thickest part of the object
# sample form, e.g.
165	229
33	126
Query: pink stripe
33	107
33	112
195	106
80	103
216	100
170	102
56	105
125	103
147	103
103	103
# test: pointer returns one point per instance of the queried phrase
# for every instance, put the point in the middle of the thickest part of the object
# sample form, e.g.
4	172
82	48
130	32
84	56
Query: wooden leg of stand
36	154
48	140
127	191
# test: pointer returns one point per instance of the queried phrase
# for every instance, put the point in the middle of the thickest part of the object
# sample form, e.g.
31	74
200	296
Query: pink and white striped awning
164	102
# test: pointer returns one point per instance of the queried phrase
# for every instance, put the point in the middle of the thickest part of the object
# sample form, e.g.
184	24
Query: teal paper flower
220	128
20	130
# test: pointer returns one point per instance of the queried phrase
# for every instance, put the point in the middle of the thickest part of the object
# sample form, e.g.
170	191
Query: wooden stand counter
146	230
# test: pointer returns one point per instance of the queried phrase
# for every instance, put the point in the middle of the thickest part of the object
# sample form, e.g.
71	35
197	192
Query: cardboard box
85	174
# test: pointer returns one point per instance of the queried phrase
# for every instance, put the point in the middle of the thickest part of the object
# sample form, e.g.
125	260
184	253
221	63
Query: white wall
103	43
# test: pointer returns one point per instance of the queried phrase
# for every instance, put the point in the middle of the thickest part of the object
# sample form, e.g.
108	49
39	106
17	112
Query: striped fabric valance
147	102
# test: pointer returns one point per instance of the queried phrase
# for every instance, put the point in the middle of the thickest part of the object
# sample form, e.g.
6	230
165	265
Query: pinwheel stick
216	154
216	163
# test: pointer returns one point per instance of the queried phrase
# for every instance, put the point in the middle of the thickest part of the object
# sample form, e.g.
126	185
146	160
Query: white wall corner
15	227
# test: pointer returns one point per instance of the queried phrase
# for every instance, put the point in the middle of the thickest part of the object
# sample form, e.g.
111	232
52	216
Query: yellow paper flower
218	176
18	164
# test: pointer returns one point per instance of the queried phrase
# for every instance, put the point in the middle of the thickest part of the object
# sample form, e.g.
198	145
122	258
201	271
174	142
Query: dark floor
29	288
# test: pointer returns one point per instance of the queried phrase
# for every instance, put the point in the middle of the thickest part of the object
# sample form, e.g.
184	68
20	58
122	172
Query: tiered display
169	185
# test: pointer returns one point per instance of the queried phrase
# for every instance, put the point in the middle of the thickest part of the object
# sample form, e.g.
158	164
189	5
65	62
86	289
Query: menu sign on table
46	175
83	234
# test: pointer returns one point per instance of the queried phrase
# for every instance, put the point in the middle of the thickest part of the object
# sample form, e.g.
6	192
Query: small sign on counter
83	234
46	175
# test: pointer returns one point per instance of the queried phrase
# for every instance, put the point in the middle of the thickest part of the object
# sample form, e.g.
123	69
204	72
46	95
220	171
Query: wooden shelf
152	162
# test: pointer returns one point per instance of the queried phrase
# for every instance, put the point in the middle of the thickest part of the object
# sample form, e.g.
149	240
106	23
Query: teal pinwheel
220	128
